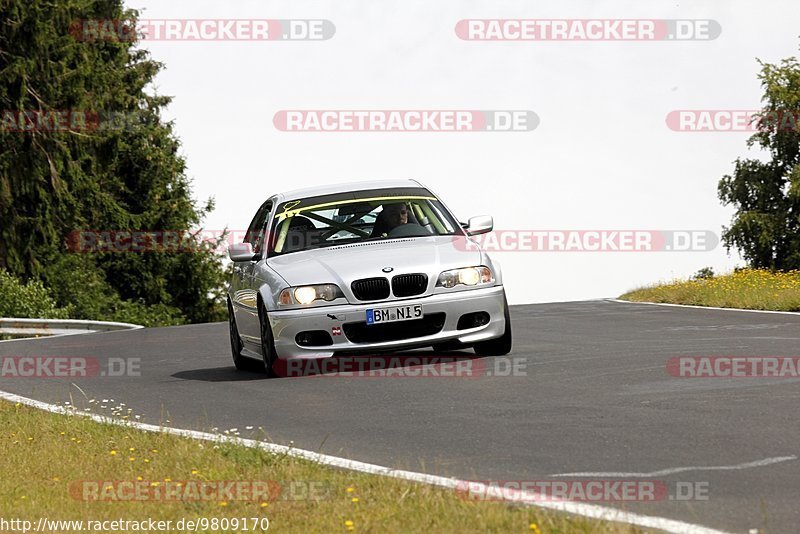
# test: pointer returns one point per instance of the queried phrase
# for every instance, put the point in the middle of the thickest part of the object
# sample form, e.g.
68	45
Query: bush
30	300
79	285
125	311
78	291
706	273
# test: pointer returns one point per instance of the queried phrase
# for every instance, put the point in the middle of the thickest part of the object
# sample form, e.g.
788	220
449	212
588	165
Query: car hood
343	264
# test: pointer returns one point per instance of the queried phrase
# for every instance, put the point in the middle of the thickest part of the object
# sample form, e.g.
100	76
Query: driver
397	220
396	214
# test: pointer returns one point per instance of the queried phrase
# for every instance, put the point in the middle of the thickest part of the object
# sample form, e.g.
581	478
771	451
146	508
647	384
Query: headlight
305	295
308	294
469	276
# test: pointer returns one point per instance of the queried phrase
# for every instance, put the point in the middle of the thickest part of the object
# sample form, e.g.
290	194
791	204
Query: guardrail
18	327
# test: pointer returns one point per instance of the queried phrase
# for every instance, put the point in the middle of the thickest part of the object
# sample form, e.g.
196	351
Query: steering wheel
409	230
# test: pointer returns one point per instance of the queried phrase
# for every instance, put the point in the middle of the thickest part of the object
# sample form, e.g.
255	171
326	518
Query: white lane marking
702	307
593	511
746	465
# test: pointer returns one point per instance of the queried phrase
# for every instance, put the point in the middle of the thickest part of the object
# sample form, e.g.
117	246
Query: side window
255	232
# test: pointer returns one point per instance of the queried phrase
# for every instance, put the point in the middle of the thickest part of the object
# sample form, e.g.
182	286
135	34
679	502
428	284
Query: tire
500	346
242	363
267	342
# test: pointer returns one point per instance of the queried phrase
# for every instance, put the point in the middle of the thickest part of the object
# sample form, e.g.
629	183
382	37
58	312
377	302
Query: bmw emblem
387	269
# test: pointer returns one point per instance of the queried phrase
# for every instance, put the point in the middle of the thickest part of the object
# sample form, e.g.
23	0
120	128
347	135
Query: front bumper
286	324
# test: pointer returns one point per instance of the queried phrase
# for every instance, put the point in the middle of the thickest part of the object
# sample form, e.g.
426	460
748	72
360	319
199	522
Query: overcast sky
602	157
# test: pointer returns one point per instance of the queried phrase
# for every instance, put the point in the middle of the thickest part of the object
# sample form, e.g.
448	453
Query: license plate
392	315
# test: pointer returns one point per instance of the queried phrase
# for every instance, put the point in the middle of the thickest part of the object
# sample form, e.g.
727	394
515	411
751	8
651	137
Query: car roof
331	189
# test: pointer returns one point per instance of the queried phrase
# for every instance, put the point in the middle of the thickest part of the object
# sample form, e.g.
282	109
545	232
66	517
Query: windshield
354	217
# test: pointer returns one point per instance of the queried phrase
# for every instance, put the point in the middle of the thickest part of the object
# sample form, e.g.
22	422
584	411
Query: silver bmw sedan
362	267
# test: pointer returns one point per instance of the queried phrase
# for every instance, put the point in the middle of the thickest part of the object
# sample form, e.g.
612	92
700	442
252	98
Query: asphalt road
595	397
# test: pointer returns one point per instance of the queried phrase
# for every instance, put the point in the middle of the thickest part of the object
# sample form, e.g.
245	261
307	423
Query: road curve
595	401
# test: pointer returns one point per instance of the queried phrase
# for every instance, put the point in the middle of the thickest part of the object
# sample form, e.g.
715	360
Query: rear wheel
267	342
500	346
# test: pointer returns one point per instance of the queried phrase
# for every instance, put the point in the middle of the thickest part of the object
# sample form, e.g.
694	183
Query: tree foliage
27	300
53	183
766	194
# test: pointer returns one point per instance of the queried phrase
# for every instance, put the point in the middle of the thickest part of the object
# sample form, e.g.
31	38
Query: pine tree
123	176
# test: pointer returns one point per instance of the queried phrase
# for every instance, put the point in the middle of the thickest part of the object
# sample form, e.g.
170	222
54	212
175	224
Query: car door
245	294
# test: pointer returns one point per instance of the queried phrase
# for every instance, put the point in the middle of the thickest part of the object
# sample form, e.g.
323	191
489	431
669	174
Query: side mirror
479	225
241	252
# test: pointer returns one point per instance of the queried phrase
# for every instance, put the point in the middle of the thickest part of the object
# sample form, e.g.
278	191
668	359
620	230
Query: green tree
766	194
56	182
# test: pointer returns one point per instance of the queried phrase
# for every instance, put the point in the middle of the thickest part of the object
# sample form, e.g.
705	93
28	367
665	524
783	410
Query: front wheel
267	342
500	346
242	363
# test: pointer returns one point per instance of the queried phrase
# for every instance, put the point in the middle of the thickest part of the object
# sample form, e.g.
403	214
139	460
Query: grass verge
52	466
752	289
